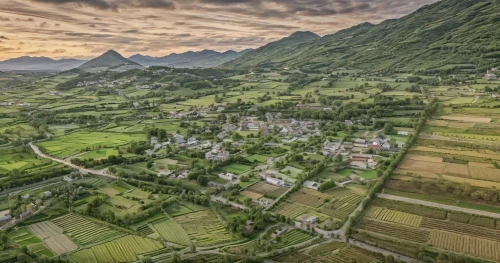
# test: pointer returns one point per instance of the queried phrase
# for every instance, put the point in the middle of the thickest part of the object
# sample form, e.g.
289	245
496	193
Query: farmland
204	228
171	232
305	149
124	249
85	231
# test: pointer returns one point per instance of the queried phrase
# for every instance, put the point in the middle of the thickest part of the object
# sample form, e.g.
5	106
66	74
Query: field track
446	207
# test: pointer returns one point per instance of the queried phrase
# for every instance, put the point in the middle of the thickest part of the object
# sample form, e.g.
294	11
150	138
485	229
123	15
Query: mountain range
191	59
448	35
202	59
39	64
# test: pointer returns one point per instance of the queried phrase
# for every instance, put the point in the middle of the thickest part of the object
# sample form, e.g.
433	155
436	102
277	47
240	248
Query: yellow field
401	174
484	165
469	118
461	125
460	170
482	173
394	216
477	247
253	195
424	158
482	154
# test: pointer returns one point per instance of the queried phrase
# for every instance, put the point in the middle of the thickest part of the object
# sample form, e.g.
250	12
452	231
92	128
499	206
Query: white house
404	133
274	181
227	176
192	141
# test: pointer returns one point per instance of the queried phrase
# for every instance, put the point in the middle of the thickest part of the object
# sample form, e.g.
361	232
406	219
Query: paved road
81	169
382	251
432	204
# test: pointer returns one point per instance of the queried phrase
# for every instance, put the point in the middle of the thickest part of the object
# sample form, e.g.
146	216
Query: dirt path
81	169
436	205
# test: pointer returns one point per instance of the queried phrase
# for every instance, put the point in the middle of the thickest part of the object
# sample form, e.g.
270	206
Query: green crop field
67	145
85	231
236	168
171	232
204	228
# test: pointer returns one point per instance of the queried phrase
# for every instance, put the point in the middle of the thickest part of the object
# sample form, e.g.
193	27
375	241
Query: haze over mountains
190	59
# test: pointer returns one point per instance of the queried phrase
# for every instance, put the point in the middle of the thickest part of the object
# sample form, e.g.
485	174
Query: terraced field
85	231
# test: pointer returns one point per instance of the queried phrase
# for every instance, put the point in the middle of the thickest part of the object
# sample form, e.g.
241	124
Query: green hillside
450	35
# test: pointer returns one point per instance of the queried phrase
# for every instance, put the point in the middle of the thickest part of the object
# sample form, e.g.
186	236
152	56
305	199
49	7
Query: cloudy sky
86	28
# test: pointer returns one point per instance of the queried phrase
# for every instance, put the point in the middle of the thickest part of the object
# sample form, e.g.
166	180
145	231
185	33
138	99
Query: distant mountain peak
110	60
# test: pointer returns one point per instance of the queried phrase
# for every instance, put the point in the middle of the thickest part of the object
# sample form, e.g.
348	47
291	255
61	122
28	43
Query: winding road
82	170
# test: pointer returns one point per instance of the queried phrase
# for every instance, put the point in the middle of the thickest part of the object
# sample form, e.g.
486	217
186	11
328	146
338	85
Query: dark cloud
4	18
114	4
4	38
59	51
159	4
99	4
25	19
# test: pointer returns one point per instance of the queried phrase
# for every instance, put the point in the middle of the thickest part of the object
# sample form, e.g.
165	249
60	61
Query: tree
193	248
146	260
388	129
202	180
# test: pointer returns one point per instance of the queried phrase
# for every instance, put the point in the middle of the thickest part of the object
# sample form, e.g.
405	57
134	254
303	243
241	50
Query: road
436	205
382	251
81	169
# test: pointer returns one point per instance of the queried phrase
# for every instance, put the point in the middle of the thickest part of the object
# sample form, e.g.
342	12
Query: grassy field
236	168
67	145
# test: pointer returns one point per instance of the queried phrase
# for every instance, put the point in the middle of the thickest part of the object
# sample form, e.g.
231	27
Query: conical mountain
111	60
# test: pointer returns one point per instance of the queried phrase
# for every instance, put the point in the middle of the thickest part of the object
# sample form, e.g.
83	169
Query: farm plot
473	246
45	229
394	216
124	249
254	196
171	232
343	204
290	210
292	237
403	232
236	168
460	228
204	228
485	173
424	158
60	244
24	238
454	169
85	231
309	197
267	189
40	249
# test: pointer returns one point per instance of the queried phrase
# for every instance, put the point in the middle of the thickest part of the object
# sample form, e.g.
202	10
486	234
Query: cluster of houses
11	103
492	74
286	127
103	83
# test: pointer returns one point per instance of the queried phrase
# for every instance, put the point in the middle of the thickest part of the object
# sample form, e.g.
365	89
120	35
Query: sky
86	28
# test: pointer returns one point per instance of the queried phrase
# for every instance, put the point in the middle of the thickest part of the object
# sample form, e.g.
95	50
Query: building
47	194
275	182
192	141
490	76
227	176
5	219
25	214
361	157
404	133
164	173
215	155
312	219
67	178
